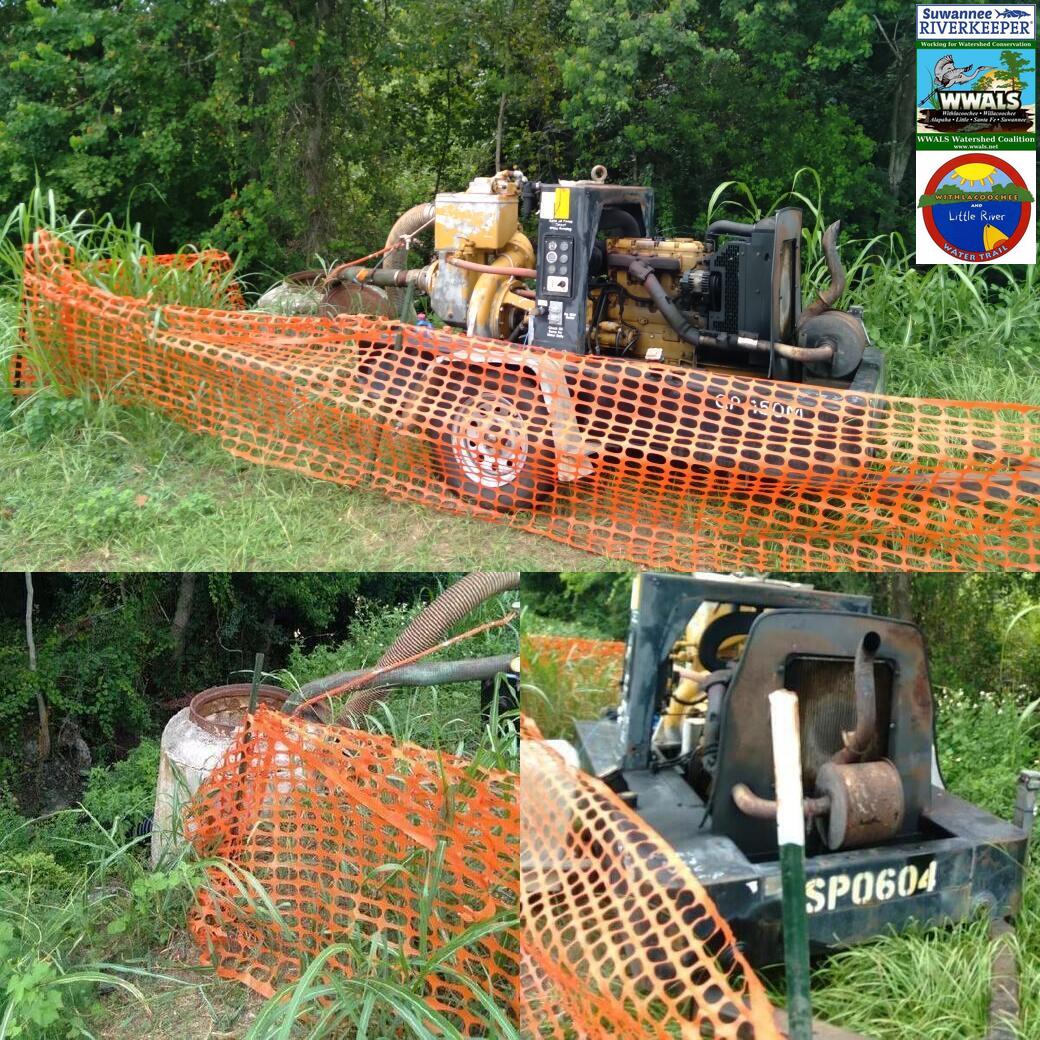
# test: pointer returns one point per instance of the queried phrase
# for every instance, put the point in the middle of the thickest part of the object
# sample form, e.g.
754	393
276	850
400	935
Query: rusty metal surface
777	639
221	709
828	296
1004	990
485	220
765	809
857	742
352	298
827	708
866	803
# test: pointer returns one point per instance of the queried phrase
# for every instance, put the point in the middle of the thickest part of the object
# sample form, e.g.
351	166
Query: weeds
56	927
556	693
83	919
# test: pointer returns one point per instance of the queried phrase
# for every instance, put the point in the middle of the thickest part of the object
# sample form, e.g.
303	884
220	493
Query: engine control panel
568	223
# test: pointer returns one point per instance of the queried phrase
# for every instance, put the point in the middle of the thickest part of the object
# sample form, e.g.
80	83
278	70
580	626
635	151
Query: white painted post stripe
787	767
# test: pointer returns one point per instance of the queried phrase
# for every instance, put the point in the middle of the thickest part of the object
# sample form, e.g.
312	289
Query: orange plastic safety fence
346	831
571	648
589	661
619	937
674	468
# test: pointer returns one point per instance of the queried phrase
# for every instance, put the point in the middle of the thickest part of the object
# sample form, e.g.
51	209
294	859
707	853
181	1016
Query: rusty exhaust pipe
751	804
857	741
829	296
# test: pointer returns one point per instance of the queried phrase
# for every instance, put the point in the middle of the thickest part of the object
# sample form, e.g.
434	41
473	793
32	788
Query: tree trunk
315	149
900	600
903	120
181	617
499	130
43	739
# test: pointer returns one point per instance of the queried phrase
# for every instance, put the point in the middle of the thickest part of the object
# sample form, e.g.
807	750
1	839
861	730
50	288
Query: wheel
496	448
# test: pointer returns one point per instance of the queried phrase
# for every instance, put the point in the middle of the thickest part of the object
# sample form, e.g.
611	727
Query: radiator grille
827	705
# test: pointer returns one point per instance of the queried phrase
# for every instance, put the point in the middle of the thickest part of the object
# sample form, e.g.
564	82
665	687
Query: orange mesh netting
673	468
575	648
589	662
619	937
346	830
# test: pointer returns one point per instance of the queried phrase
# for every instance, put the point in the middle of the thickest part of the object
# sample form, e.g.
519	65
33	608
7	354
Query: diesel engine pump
594	281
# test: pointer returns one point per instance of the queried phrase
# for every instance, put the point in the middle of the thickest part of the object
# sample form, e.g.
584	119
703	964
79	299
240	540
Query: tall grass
60	930
84	921
112	254
555	692
366	985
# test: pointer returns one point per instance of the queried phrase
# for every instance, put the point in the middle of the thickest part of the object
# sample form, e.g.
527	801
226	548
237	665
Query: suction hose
427	629
421	673
408	223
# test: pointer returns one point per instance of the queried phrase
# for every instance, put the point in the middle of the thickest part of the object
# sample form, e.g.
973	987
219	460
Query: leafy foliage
122	795
167	112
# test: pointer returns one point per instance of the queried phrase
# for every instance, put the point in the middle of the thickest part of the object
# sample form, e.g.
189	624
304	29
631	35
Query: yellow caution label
562	204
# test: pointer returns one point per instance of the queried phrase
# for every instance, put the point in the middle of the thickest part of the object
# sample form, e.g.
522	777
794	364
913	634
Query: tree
105	103
1016	64
181	617
43	740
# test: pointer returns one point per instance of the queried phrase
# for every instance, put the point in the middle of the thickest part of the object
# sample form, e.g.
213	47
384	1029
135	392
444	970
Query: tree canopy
278	128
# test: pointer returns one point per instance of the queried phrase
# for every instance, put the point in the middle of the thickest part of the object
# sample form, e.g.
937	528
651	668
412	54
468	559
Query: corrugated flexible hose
408	223
429	626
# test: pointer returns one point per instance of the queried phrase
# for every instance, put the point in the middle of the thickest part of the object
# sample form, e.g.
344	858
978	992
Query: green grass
93	942
87	484
102	487
555	694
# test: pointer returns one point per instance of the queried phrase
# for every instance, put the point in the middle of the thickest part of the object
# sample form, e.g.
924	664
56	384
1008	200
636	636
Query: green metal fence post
790	828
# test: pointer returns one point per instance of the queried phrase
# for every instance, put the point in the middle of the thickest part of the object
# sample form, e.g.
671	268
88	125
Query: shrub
124	794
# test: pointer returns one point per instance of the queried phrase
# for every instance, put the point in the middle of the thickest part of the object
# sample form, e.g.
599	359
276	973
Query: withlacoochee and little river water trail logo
976	207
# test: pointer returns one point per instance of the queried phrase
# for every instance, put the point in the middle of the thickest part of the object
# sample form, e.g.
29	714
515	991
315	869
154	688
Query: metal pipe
859	740
417	276
751	804
1004	1008
498	272
823	352
409	223
829	297
422	673
659	263
726	227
